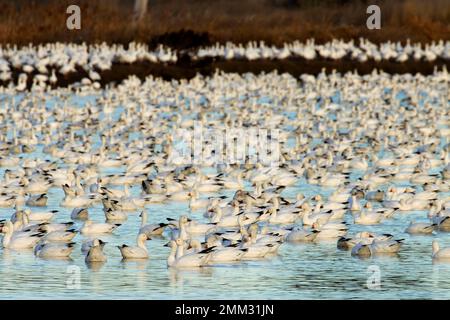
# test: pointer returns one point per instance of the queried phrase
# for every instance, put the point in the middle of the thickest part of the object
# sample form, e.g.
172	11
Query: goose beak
167	244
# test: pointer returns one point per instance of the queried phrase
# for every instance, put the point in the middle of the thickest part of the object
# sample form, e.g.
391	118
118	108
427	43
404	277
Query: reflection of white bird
439	253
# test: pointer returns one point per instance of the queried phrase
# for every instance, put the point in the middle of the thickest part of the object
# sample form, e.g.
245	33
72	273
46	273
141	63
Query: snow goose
90	227
196	228
41	216
282	218
61	236
95	252
197	203
139	251
7	201
413	204
420	228
329	230
151	229
354	203
79	213
226	254
366	217
254	251
301	235
19	240
364	237
54	250
37	200
115	215
386	246
177	258
88	244
49	227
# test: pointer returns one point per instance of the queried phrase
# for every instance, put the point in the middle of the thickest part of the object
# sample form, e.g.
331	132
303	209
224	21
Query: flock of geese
334	50
368	148
44	64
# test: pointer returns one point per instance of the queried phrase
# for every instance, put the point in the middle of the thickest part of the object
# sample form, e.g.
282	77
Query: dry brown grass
25	21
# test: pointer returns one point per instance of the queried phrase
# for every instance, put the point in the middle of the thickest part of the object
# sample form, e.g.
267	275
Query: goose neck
141	243
179	251
143	218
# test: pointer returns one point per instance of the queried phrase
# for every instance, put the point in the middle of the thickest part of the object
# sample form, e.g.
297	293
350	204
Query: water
300	271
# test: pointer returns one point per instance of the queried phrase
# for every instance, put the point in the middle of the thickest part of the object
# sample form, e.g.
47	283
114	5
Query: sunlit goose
354	204
139	251
301	235
61	236
40	216
420	228
413	204
226	254
177	258
254	251
19	240
282	218
330	230
178	230
366	217
195	228
151	229
90	227
78	201
196	203
364	237
50	227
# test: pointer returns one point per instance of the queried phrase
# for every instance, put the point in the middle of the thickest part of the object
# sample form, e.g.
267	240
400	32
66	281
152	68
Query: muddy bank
185	68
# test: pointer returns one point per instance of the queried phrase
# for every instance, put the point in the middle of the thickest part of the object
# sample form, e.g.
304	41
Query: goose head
179	242
141	238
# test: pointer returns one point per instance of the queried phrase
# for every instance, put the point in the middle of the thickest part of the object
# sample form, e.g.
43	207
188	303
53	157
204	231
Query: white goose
19	240
151	229
135	252
177	258
301	235
420	228
54	250
90	227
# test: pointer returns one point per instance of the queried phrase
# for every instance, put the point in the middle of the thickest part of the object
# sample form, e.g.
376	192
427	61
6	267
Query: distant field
274	21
